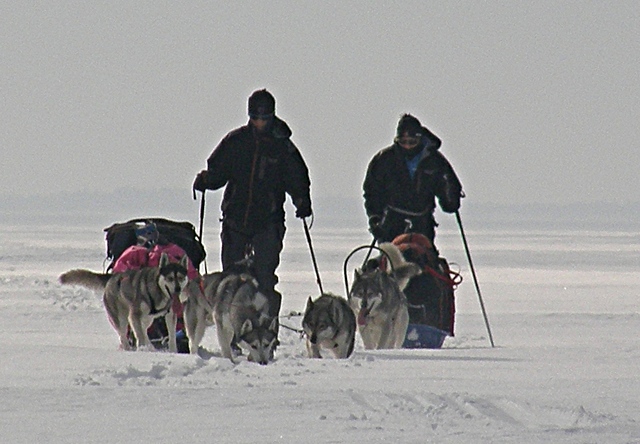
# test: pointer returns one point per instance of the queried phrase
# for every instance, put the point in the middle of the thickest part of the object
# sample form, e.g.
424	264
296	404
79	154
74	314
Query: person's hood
280	129
429	140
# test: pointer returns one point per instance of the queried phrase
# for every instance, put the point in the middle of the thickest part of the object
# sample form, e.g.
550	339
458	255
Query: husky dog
377	299
134	298
202	295
240	312
329	323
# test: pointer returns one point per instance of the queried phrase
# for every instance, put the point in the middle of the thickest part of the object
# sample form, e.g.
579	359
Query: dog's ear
309	305
184	261
164	260
247	327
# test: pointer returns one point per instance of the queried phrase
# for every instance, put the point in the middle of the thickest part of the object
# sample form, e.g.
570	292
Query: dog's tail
403	271
394	254
85	278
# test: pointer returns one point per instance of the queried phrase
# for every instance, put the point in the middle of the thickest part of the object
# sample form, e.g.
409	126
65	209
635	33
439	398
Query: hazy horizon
534	102
106	207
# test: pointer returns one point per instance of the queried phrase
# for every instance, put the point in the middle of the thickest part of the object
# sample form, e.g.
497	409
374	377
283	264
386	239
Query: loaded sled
429	296
121	236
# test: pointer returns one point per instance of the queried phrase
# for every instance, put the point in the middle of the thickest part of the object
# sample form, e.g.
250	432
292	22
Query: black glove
303	207
376	228
200	184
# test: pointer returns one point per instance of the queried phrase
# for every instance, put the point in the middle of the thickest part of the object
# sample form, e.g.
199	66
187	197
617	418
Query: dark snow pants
266	246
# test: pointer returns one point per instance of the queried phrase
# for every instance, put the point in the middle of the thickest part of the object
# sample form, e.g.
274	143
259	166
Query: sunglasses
407	141
260	116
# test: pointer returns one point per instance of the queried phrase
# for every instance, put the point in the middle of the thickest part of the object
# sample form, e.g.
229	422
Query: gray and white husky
202	295
134	298
329	324
378	302
240	312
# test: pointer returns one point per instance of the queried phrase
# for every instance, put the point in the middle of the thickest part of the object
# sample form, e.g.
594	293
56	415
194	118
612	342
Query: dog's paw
236	351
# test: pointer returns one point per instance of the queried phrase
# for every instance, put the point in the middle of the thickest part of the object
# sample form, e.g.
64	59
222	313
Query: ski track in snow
359	409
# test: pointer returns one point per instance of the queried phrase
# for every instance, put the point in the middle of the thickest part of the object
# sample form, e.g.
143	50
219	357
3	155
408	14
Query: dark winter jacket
389	188
258	170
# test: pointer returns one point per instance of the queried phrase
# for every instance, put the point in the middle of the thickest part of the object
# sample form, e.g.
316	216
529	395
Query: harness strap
301	332
409	213
453	280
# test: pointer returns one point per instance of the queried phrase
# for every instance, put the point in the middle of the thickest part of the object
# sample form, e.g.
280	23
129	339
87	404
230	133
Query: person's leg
233	249
234	245
267	246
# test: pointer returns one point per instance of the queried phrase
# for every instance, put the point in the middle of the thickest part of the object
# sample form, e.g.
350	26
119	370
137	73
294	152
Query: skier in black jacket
403	181
400	189
259	165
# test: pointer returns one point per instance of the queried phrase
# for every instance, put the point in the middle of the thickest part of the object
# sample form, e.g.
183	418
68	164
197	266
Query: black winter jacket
258	170
388	187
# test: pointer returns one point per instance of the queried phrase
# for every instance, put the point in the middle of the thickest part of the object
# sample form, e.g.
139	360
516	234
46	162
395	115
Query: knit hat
262	102
409	124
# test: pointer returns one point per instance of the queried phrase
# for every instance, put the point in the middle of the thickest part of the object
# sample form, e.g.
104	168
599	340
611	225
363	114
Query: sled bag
121	236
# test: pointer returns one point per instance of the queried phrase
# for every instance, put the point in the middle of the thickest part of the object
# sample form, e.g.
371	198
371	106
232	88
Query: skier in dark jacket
400	191
259	165
403	181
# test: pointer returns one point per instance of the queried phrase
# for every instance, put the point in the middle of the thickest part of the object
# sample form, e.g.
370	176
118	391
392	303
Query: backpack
121	236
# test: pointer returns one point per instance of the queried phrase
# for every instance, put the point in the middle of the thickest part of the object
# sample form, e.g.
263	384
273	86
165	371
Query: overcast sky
535	101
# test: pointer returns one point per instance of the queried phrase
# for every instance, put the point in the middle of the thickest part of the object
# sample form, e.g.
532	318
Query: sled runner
121	236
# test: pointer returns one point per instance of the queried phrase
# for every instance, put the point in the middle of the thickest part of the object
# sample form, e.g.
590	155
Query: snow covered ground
563	308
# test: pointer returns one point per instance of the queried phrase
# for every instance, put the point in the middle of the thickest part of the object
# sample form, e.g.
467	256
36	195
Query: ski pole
475	279
313	256
201	221
371	247
375	238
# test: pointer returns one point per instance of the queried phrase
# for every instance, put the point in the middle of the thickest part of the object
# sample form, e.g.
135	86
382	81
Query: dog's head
367	292
322	319
259	338
173	276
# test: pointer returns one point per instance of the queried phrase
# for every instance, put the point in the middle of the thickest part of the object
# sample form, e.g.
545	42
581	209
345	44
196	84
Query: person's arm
218	166
297	182
448	187
376	199
375	195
